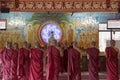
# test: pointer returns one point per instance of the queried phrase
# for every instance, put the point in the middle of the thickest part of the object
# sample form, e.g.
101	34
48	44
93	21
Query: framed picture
3	24
113	24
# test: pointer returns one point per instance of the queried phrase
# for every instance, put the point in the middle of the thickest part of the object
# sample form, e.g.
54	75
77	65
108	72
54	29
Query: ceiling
61	5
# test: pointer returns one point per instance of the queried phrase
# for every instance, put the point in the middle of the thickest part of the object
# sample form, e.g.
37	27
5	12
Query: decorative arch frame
42	26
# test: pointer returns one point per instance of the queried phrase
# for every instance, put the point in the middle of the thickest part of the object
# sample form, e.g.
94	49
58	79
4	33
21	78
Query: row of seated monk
27	63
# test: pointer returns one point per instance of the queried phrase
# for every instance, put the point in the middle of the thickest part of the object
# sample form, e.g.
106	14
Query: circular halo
46	30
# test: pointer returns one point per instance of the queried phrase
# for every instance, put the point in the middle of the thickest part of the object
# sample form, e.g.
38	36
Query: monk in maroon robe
65	57
6	57
14	62
93	57
65	60
112	61
74	57
23	62
53	61
36	64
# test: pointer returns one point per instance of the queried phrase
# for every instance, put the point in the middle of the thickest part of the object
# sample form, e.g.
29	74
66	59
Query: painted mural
27	26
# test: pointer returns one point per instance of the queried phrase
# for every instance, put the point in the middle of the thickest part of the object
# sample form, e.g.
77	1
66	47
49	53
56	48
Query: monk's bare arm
87	56
79	51
87	53
61	52
45	52
118	52
105	54
30	55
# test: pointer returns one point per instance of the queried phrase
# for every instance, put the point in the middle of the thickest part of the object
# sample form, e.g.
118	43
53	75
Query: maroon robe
65	60
6	56
23	64
53	63
14	63
36	64
93	65
61	65
112	63
74	71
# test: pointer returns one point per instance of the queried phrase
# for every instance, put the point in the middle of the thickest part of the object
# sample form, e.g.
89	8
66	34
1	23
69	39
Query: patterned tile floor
84	75
63	76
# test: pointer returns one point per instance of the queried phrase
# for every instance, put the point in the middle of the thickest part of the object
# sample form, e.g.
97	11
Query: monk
23	62
65	56
14	62
6	57
60	48
36	64
74	58
93	57
112	61
53	61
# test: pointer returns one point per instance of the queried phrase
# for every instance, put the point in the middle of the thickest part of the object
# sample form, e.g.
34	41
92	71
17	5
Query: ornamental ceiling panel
61	5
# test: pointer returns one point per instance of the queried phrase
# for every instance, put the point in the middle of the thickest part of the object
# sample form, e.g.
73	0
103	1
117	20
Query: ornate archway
45	30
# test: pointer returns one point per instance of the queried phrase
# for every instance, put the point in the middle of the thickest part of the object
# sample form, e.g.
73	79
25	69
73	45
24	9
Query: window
105	36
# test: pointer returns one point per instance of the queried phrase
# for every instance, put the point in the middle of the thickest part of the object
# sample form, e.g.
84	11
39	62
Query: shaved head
37	44
25	44
112	42
93	43
15	45
8	44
